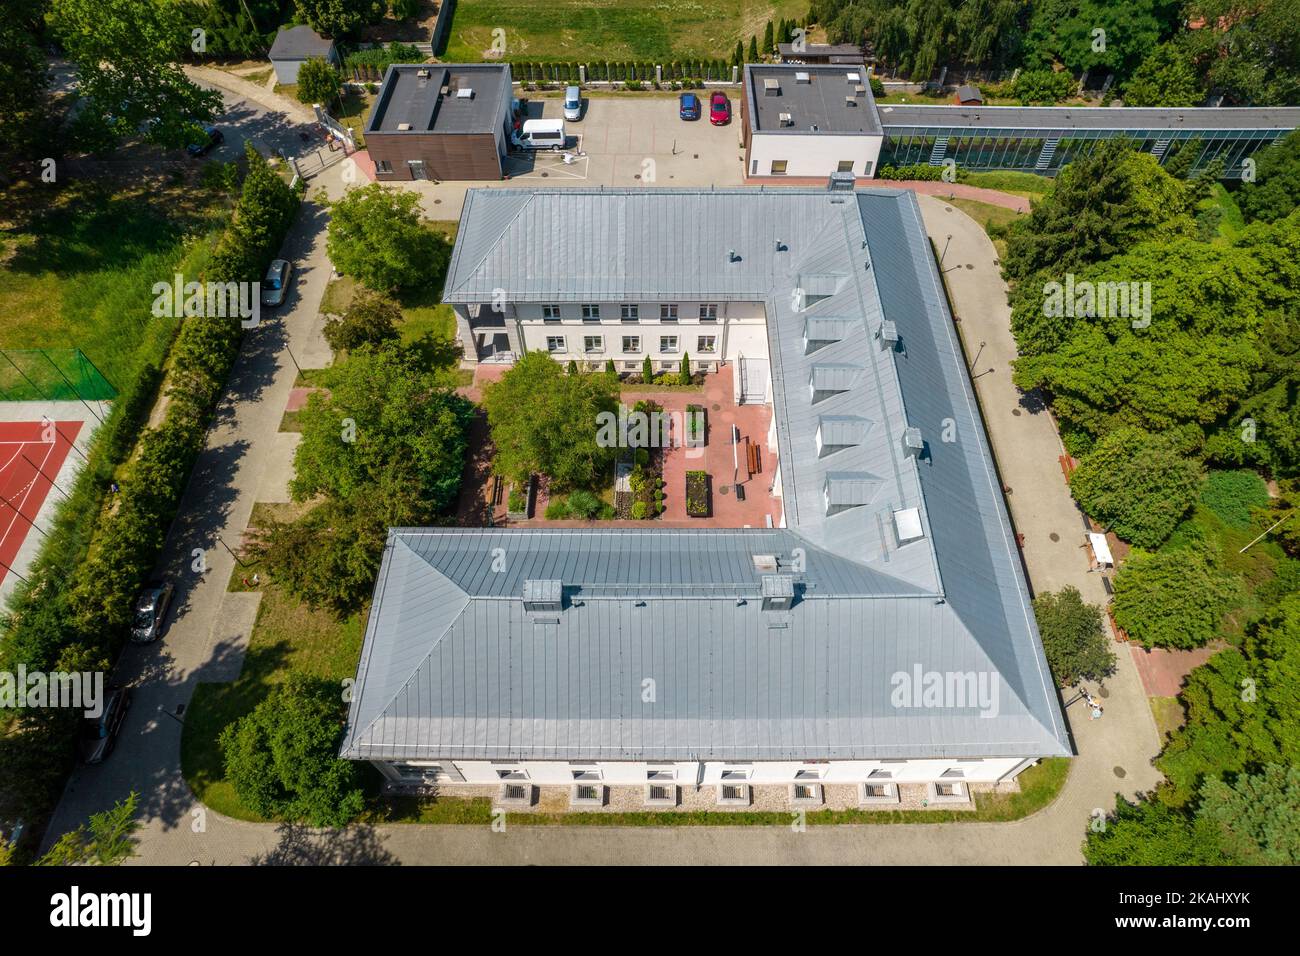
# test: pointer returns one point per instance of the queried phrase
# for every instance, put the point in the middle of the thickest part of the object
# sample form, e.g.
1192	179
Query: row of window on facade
779	167
668	344
630	312
667	772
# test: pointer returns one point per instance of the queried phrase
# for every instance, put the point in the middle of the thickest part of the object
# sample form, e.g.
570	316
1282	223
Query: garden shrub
1230	495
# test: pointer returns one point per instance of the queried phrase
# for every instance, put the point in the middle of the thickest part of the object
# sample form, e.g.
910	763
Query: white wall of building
740	328
813	154
634	773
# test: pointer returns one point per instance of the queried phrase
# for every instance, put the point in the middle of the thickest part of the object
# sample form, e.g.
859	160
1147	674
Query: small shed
294	46
968	94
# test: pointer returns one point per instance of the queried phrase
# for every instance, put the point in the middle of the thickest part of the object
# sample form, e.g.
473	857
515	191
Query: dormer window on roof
837	432
829	380
848	489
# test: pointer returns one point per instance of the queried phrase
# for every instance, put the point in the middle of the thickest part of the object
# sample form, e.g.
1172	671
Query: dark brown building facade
441	121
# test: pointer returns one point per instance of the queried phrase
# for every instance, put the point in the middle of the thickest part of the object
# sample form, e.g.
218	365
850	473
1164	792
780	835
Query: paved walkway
205	643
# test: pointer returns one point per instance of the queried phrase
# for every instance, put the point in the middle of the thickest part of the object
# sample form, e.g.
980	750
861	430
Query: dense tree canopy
22	82
1275	192
340	18
1074	637
1174	598
128	71
1165	78
1137	484
544	421
318	81
1249	52
377	234
385	415
1099	206
282	758
1064	31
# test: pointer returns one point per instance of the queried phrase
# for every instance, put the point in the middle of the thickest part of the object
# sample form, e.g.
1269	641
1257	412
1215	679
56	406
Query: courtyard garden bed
699	499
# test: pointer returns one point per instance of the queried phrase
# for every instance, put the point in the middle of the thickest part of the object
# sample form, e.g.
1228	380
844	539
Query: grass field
78	264
1028	185
581	30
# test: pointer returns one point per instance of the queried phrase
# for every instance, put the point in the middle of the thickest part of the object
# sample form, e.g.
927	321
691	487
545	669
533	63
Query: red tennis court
31	454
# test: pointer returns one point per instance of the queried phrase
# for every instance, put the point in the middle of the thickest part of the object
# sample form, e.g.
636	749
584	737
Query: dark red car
719	109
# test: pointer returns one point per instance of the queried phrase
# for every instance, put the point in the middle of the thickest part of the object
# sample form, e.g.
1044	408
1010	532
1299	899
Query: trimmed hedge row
621	72
132	538
75	612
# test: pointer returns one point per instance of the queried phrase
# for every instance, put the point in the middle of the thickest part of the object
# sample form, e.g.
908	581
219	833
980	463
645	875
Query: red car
719	109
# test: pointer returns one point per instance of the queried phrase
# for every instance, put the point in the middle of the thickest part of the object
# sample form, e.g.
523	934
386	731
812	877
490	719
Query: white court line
27	493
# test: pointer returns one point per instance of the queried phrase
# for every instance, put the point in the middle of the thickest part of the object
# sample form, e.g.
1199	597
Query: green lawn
613	30
78	263
288	637
1028	185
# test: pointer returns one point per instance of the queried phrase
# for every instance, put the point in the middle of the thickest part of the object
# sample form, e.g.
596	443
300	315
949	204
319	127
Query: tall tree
340	18
23	82
1137	484
1249	52
1074	637
128	72
384	414
545	421
377	234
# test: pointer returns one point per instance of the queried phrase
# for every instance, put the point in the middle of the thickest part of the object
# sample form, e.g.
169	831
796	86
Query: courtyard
727	464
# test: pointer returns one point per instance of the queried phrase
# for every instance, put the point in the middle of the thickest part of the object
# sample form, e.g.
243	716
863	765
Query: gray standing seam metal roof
453	666
407	97
299	43
821	102
1066	118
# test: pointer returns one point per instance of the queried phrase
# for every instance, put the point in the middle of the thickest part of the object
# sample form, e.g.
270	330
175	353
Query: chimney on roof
778	592
543	595
888	334
913	443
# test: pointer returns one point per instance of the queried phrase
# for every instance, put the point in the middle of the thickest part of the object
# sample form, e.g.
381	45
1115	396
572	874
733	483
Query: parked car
688	106
99	734
572	103
719	109
151	607
276	284
212	138
541	134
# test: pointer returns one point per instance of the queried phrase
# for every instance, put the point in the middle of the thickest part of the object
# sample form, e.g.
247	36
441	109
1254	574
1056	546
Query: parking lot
620	141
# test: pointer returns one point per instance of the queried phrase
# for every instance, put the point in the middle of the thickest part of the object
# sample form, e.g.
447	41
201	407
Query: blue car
689	106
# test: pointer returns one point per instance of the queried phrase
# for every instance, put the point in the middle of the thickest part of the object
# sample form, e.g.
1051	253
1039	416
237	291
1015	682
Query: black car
99	734
212	138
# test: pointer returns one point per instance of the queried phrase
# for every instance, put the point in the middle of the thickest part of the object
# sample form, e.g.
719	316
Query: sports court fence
29	375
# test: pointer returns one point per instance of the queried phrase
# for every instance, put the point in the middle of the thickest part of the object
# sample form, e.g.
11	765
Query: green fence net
28	375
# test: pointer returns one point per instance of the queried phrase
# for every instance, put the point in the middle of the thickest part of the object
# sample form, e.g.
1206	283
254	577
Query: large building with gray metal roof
810	121
882	637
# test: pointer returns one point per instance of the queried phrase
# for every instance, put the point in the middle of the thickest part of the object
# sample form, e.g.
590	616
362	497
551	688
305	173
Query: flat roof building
440	121
800	122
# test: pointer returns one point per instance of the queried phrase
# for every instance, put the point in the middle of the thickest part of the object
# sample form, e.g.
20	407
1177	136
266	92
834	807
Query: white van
540	134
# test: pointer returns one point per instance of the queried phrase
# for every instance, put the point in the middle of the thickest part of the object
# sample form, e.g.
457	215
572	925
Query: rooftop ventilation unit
543	595
771	86
888	334
786	119
859	90
465	93
907	523
853	78
403	126
841	182
802	77
913	443
422	74
850	101
765	562
778	592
